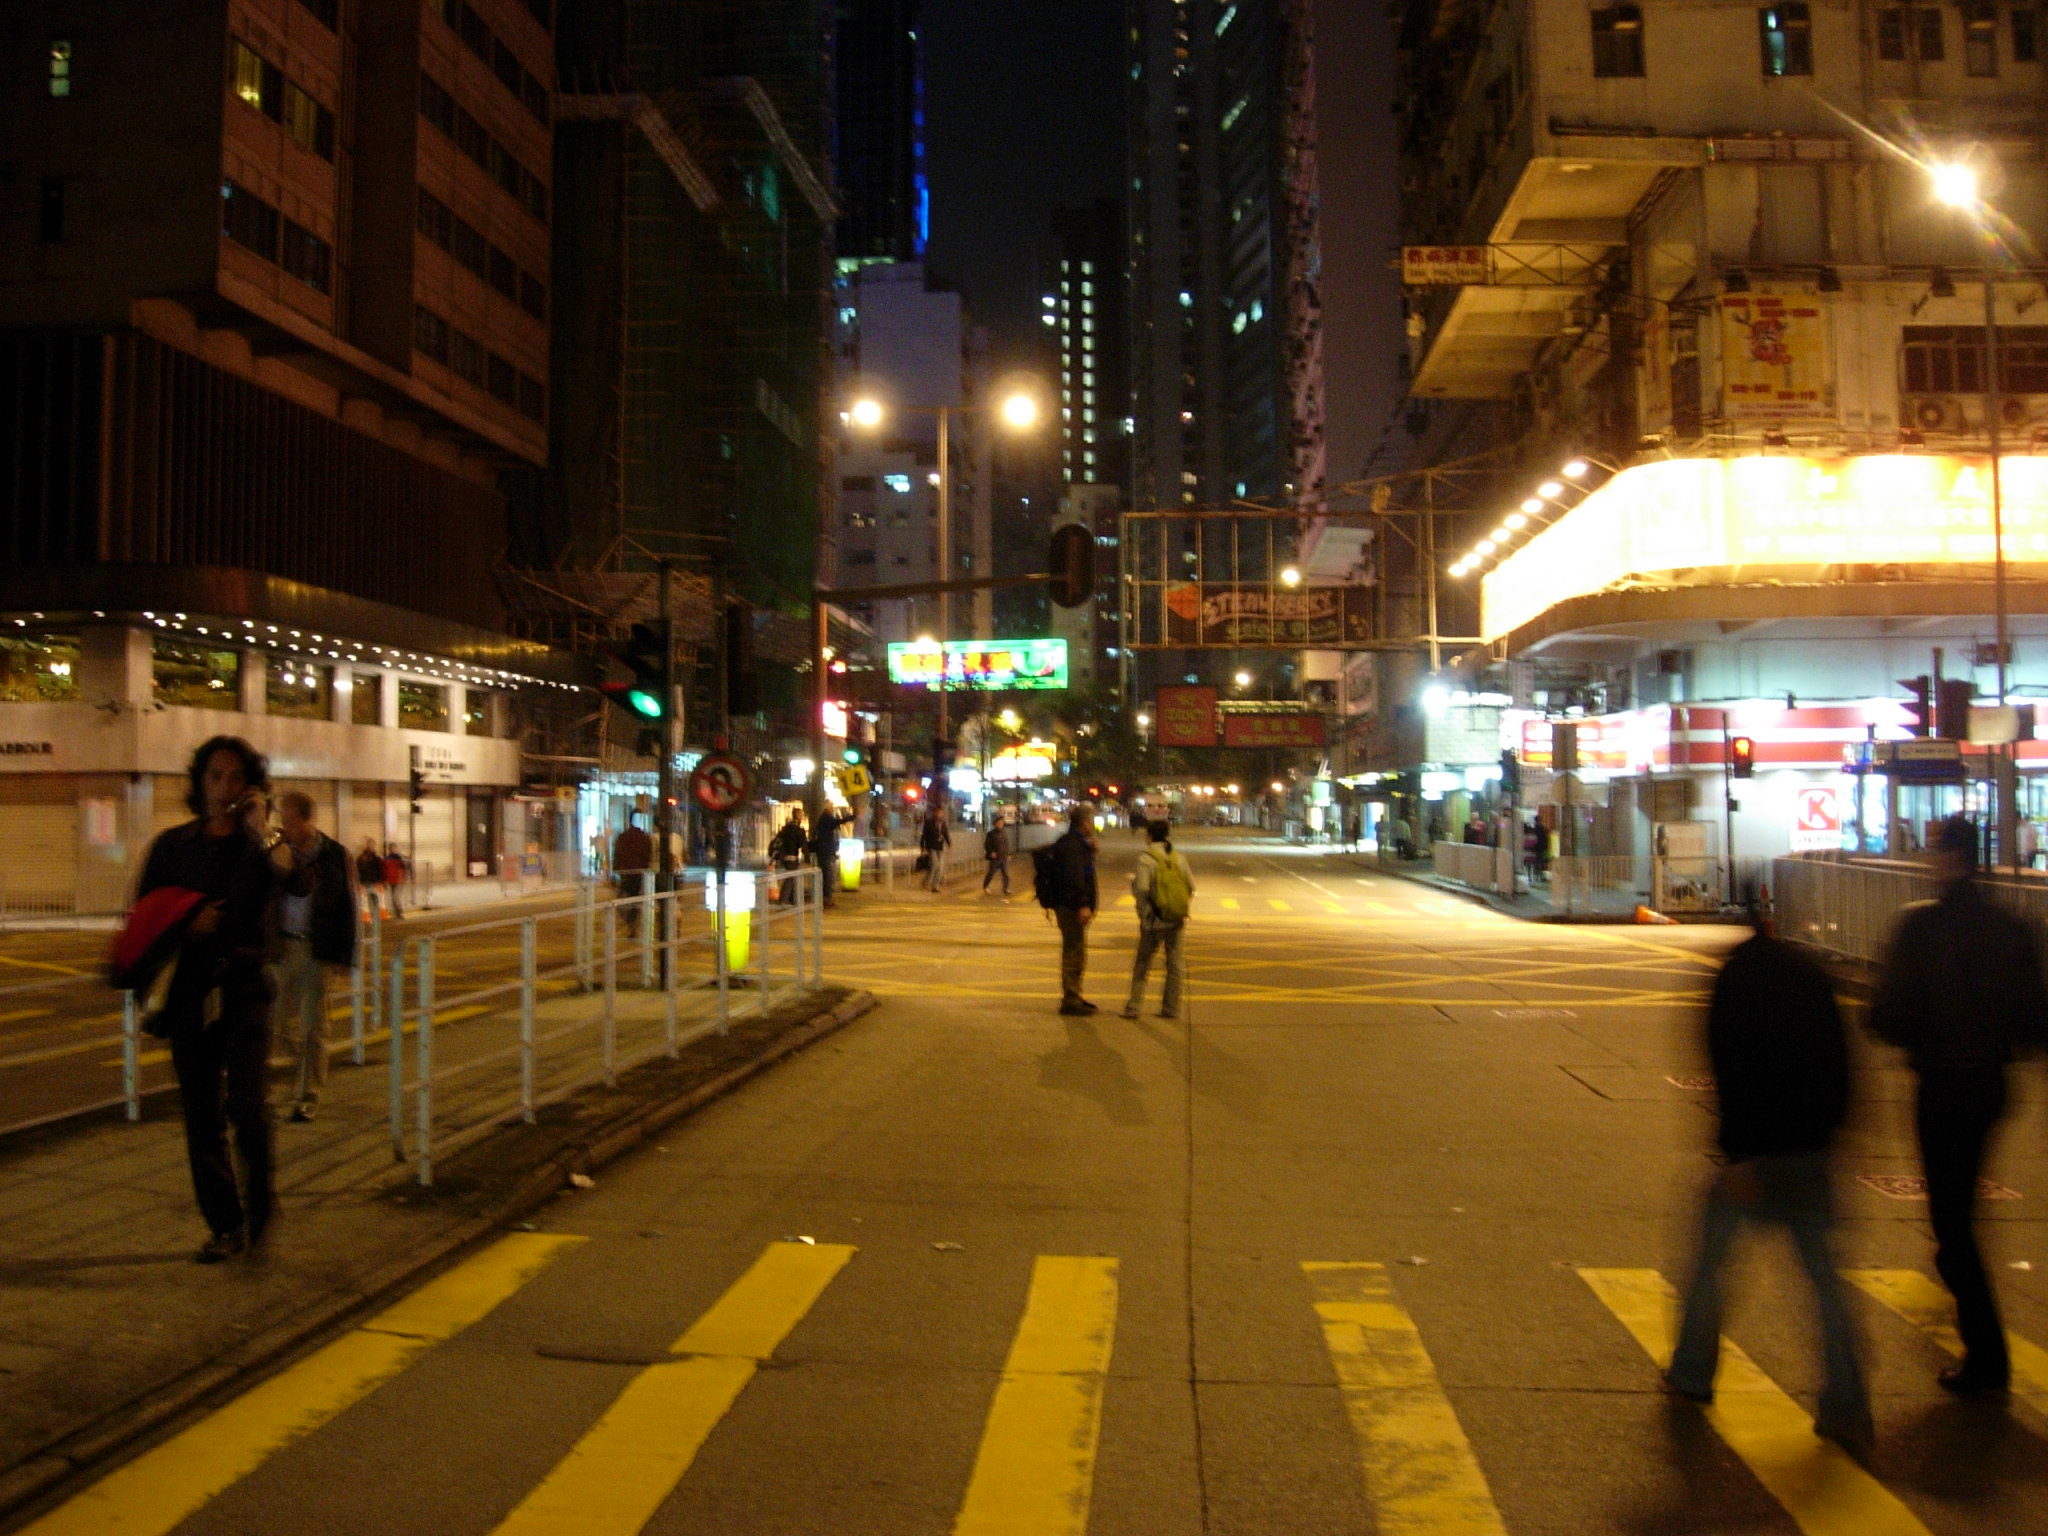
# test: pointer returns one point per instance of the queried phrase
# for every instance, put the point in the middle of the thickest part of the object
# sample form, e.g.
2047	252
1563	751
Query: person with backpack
995	851
1063	878
1164	888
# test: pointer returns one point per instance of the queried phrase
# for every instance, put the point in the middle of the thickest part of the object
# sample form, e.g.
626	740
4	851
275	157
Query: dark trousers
1955	1116
1073	952
997	867
223	1082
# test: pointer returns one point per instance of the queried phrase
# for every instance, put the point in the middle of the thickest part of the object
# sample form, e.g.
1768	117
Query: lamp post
1956	185
1019	411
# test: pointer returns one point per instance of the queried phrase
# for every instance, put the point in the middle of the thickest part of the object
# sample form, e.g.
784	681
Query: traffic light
1952	708
1742	757
854	756
419	788
644	698
1919	717
1072	565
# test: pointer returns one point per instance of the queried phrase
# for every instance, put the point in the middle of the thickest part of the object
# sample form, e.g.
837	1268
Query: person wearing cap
1962	991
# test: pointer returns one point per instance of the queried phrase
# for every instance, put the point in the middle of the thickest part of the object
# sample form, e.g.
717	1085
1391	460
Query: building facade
880	132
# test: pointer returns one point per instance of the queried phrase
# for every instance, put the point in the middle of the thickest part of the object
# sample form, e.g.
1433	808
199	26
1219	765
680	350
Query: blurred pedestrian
632	858
1962	992
824	849
397	870
1068	890
317	932
786	852
218	1016
995	852
370	876
1781	1074
1164	889
932	842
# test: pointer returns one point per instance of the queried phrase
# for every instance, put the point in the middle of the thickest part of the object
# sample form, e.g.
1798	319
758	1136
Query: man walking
786	852
1164	887
1073	890
218	1018
1781	1071
370	876
1962	992
825	850
317	925
632	858
932	841
995	852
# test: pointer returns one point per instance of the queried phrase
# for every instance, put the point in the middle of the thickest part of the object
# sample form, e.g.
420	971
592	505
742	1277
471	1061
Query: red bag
150	935
394	871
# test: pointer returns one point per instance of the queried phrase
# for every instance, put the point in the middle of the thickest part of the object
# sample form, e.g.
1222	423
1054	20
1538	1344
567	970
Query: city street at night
1376	1240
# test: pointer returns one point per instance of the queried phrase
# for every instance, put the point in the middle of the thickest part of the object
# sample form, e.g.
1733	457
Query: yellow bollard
849	866
739	940
736	930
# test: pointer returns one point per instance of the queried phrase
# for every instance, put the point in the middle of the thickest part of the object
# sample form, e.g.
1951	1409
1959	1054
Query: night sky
1024	109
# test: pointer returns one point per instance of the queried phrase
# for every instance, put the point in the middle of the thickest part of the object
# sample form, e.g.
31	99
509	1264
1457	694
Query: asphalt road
1375	1243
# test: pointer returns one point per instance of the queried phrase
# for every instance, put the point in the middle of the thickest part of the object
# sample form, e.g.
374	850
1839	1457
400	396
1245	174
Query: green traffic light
851	754
644	703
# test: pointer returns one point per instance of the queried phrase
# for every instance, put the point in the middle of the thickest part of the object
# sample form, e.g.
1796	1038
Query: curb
1494	903
82	1448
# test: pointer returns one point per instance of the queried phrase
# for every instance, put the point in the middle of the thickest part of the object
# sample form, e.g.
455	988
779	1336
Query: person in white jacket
1164	888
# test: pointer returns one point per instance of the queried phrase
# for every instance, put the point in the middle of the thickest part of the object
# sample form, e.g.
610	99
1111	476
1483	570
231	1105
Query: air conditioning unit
1933	413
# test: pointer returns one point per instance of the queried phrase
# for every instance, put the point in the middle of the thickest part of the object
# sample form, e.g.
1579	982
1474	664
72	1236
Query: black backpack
1045	876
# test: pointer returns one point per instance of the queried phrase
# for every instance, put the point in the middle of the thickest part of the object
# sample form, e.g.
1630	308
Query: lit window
1785	32
1237	325
1187	300
60	66
1258	310
1087	269
1980	39
1618	41
897	483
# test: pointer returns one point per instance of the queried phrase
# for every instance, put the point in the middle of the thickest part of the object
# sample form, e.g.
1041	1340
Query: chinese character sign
1774	357
987	664
1444	266
1187	717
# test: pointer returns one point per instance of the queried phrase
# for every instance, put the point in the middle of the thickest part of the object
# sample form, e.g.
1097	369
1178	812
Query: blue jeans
1792	1191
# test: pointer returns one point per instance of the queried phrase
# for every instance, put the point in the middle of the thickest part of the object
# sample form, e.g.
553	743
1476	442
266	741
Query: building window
437	220
466	356
430	334
50	211
1949	359
1927	27
422	706
311	124
366	699
1891	34
248	221
501	379
326	12
1786	31
533	398
470	247
307	257
60	66
257	81
476	713
303	690
504	274
38	669
1617	41
1980	39
194	676
2026	35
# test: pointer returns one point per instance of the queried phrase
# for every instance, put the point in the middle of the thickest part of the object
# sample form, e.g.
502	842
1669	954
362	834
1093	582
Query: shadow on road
1089	1066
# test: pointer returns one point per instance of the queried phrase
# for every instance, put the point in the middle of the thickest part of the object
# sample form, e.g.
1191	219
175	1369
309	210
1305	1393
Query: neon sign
983	664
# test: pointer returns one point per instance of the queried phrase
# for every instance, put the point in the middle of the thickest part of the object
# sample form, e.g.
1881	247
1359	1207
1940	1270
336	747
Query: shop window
195	676
38	669
1786	32
1618	41
1980	39
366	699
303	690
476	714
422	706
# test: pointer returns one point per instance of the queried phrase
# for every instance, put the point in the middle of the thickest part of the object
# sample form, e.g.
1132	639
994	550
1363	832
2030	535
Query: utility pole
665	778
945	575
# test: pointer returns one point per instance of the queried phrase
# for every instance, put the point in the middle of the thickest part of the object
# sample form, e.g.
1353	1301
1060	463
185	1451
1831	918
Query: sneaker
1966	1381
219	1248
1075	1006
1130	1011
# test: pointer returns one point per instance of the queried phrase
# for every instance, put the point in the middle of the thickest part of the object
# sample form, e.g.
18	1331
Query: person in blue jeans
1781	1070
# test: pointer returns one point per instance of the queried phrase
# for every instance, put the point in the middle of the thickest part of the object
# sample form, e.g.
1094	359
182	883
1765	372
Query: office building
880	133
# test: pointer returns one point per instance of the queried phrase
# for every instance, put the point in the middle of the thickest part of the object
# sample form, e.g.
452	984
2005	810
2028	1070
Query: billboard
1444	266
1230	616
1187	717
1774	357
989	664
1301	728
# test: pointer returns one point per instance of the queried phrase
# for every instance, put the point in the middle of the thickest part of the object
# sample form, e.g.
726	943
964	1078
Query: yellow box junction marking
1230	903
1820	1486
1127	900
159	1489
616	1477
1278	905
1927	1307
1419	1468
1035	1471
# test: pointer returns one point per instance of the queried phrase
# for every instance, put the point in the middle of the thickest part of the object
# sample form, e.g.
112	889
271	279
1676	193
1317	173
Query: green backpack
1172	894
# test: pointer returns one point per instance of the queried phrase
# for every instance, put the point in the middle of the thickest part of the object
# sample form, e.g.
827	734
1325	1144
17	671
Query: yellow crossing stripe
159	1489
1820	1486
1278	905
1331	906
1419	1467
1230	903
1035	1470
616	1477
1127	900
1927	1307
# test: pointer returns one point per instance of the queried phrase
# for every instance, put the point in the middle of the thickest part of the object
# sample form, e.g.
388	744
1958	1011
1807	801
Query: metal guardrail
1848	907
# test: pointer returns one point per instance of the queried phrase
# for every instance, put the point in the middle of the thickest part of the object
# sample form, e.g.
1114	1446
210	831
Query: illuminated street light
1143	720
1244	679
1278	787
1009	720
1533	505
1550	490
1517	520
1485	547
1020	411
1290	577
1954	184
1500	535
866	413
1574	469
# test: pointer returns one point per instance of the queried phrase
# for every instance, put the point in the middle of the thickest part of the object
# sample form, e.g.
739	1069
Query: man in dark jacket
1781	1069
317	929
825	849
786	851
1962	992
995	853
1073	863
219	1013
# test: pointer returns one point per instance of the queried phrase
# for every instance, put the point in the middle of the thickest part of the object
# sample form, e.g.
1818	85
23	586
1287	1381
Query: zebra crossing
1034	1470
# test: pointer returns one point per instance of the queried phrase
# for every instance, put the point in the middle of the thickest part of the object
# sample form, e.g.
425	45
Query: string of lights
1537	512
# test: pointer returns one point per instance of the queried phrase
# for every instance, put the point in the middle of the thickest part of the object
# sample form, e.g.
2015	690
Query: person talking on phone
218	1018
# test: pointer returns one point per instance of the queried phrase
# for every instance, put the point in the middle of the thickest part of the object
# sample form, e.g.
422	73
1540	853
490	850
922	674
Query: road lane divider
617	1476
1924	1304
162	1487
1817	1483
1035	1470
1420	1472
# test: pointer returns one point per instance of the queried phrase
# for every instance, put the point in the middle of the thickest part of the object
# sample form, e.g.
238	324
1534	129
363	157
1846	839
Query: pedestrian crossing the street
1420	1468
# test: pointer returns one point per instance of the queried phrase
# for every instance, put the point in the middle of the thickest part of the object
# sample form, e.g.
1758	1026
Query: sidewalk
1532	904
111	1329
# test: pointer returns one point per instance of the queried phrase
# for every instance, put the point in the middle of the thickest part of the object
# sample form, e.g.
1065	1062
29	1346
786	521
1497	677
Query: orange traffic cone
1646	915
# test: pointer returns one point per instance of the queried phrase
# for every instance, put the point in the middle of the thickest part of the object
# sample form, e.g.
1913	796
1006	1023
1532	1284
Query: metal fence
1848	906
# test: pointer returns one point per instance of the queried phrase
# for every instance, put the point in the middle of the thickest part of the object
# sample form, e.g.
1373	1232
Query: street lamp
1290	577
1244	679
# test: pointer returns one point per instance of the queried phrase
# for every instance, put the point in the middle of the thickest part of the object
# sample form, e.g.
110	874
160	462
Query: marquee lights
1548	496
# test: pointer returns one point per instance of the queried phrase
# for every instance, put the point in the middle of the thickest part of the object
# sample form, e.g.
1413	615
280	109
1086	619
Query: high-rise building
275	282
1086	308
880	117
1225	325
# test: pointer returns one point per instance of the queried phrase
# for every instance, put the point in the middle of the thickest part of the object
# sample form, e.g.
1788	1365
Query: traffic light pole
665	778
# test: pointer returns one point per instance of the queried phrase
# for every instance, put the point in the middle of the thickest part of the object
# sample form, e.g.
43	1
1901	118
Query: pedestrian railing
1848	906
94	1058
667	968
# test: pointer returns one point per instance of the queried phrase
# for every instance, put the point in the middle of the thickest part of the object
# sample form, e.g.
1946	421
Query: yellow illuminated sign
1770	512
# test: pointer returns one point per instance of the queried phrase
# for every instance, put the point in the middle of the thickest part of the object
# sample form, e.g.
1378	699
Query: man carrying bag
1164	888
